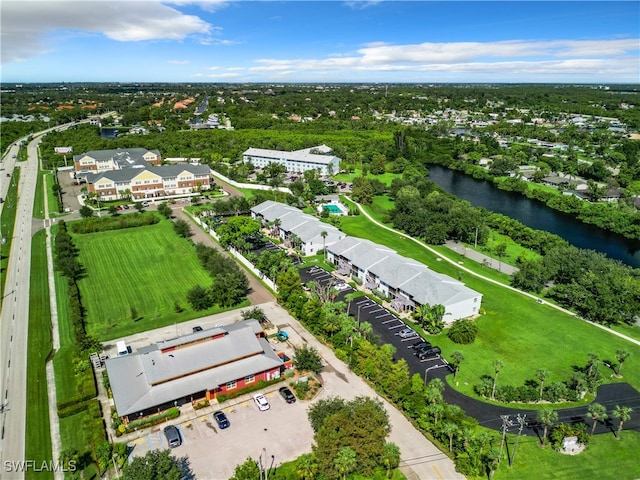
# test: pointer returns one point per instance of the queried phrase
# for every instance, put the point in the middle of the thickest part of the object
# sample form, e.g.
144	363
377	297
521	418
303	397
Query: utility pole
522	421
506	423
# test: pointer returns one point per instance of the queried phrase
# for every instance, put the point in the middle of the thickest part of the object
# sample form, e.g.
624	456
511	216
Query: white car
261	401
407	333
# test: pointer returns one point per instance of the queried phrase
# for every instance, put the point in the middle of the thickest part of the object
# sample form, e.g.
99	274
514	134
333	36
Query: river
534	214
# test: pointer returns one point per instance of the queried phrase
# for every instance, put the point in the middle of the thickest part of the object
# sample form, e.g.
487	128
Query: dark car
288	395
197	328
420	344
173	436
427	352
221	419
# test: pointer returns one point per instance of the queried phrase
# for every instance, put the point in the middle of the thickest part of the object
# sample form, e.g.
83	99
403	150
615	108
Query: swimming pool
333	209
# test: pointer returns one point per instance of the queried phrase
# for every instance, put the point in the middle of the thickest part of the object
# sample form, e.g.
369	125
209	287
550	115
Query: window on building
231	385
249	379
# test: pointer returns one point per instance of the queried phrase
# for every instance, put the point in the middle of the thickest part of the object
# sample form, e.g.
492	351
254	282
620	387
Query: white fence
267	281
248	185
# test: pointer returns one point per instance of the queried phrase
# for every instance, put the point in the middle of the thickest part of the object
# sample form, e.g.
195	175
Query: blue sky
310	41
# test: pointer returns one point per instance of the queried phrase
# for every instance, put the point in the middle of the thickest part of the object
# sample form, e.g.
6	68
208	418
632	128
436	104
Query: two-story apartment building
290	221
406	282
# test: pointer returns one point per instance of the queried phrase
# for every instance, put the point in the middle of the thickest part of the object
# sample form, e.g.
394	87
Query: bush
199	405
463	331
258	386
169	414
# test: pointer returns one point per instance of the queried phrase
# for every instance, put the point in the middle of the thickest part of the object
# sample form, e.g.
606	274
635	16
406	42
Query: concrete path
487	279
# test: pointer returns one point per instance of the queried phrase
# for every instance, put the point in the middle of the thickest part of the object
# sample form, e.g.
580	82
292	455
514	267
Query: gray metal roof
303	155
307	227
183	366
122	156
163	171
414	278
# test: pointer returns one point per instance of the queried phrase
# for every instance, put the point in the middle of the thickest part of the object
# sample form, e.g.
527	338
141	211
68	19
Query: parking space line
136	441
396	326
389	321
385	315
410	338
186	424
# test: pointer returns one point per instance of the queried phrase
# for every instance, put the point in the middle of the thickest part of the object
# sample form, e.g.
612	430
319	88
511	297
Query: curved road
487	414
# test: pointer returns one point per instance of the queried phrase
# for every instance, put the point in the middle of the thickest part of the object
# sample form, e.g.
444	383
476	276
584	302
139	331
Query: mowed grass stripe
147	268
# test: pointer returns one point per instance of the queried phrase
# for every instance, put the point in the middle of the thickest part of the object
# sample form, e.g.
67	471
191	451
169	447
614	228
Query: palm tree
598	413
436	410
548	417
542	375
621	356
345	462
307	467
623	414
456	359
497	366
350	297
324	234
450	429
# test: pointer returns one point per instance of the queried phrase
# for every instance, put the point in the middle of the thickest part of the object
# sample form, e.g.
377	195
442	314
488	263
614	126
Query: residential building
289	222
317	158
105	160
191	368
165	181
406	282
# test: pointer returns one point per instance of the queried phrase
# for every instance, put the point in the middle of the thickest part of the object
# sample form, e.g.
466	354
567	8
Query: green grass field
7	223
526	336
604	459
38	435
147	269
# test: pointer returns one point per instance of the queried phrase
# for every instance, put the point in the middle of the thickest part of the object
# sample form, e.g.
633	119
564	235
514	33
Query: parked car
197	328
221	419
428	352
173	436
287	394
126	207
119	207
407	333
261	401
145	204
420	344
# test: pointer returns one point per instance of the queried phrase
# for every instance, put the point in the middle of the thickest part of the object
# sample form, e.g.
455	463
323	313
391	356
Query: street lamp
359	306
475	243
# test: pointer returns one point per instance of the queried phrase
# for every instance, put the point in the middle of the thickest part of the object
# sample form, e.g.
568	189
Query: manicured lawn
147	269
38	435
515	329
8	221
605	458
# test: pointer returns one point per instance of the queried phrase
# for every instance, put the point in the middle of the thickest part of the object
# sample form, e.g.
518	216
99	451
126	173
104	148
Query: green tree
86	211
391	457
165	210
157	464
457	358
623	414
307	359
323	409
248	470
450	429
181	227
463	331
113	210
541	374
497	366
598	413
307	467
345	462
199	298
621	356
547	417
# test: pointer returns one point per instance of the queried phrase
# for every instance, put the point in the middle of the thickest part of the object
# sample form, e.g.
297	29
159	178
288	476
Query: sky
215	41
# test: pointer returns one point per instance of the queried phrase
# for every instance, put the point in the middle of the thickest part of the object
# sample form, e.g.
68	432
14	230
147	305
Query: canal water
534	214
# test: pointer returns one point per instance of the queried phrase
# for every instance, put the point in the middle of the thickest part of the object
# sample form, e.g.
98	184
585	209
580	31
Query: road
14	319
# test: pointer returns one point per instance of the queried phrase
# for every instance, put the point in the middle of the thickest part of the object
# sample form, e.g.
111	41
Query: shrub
463	331
173	412
199	405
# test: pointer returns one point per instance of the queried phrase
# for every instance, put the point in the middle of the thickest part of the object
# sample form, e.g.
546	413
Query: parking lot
282	431
386	324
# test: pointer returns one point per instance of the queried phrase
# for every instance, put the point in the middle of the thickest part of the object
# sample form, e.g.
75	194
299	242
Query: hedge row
258	386
76	400
103	224
173	412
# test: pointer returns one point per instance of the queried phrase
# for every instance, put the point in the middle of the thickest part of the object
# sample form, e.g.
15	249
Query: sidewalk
480	257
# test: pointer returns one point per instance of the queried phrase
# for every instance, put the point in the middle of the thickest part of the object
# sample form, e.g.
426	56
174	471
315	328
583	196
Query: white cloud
25	24
515	57
179	62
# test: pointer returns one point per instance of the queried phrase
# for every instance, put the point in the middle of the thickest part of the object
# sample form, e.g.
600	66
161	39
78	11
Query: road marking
437	472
